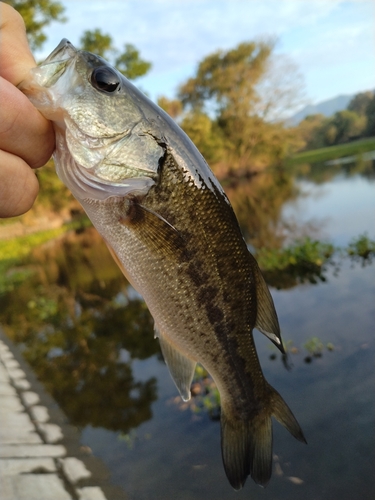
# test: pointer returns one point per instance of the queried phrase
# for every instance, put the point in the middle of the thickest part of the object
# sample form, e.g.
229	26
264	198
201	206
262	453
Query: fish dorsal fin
153	229
180	366
266	321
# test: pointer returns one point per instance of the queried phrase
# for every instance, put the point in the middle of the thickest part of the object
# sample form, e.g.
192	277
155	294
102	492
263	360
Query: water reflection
74	319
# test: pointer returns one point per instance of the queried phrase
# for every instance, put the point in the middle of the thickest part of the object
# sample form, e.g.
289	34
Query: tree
312	130
343	126
172	106
129	62
38	14
360	102
96	42
242	91
370	115
225	81
205	134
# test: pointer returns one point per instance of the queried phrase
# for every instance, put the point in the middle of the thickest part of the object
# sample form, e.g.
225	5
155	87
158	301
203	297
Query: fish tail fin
246	445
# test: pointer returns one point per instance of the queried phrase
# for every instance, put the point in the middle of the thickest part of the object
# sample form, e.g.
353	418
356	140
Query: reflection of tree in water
258	203
325	171
79	327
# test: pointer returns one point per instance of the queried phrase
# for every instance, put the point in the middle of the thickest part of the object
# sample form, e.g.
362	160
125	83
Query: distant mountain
326	108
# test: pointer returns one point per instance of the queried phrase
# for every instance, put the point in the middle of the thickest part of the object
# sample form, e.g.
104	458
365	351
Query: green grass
332	152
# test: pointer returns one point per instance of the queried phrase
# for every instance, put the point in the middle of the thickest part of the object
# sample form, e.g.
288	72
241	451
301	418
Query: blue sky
331	41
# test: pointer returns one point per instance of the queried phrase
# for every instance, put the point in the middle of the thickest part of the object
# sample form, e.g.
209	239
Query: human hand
26	137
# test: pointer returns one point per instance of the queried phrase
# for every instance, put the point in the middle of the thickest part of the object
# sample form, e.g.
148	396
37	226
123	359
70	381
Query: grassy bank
332	152
15	249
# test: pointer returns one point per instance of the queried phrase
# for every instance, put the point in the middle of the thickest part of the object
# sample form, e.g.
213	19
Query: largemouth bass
172	231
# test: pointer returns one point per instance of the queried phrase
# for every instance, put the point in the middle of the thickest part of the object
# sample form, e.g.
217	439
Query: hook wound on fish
172	231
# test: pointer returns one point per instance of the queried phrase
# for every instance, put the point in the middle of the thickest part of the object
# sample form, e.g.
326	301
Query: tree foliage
360	102
370	116
358	120
96	42
226	80
241	91
38	14
128	62
172	106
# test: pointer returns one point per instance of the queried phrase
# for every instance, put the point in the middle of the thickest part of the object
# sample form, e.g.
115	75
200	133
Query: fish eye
105	79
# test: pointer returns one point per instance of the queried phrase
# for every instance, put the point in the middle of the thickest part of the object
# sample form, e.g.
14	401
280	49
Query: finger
15	55
23	130
18	186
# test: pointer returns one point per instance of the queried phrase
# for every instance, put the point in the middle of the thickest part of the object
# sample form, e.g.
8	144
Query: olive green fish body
199	281
171	229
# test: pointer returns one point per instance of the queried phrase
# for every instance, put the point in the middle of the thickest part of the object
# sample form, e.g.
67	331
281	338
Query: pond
89	338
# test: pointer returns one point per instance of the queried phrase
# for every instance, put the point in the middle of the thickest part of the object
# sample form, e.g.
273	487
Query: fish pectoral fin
154	230
266	321
180	366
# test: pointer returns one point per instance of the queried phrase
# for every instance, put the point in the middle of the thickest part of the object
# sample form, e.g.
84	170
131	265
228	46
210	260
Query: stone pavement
39	459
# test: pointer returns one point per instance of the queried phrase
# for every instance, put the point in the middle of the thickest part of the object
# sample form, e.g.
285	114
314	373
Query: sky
332	42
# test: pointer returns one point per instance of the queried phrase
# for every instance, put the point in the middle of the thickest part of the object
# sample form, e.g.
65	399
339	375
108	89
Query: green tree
370	115
205	134
312	131
97	42
38	14
360	102
343	126
128	62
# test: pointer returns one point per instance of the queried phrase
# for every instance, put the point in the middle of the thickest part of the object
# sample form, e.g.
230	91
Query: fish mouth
63	52
41	78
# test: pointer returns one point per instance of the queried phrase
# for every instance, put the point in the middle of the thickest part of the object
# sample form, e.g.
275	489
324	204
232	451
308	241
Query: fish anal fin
153	229
180	366
266	321
284	415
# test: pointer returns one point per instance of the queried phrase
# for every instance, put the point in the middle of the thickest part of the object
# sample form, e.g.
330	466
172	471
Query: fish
172	231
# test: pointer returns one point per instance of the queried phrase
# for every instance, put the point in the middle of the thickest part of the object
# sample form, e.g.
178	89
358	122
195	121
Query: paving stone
16	373
11	403
15	466
32	450
74	469
11	435
22	384
6	354
4	377
90	493
52	433
11	363
7	390
35	487
39	413
16	428
30	398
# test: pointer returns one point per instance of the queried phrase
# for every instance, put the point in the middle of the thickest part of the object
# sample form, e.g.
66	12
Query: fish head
110	138
105	145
